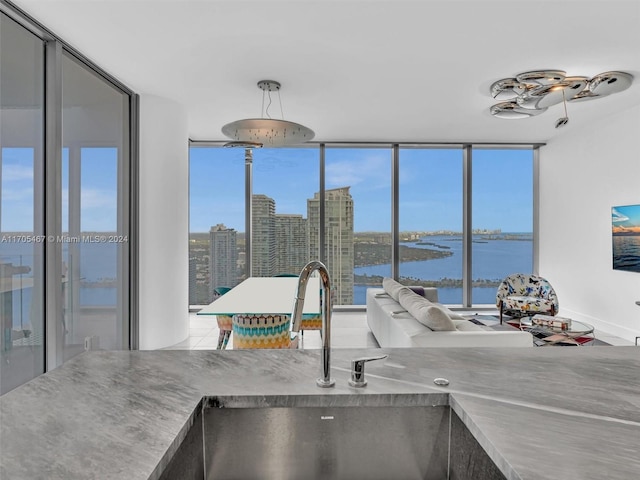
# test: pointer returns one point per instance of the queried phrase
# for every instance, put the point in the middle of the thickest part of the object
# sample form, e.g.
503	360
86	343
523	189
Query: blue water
626	253
492	260
97	261
453	296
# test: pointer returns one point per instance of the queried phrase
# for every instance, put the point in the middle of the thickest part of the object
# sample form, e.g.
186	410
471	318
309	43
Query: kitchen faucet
325	303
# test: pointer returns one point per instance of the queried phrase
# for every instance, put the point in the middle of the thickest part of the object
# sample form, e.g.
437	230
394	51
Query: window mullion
467	226
53	204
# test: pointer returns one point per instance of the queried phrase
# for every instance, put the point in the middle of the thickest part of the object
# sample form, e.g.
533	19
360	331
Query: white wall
164	223
584	173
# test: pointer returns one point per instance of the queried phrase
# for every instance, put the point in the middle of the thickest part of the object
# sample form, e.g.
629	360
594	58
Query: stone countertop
540	413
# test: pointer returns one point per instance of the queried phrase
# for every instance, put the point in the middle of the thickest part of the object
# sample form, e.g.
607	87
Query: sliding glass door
94	234
65	208
21	205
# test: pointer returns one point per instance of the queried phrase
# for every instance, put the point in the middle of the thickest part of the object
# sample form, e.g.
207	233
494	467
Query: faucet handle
357	370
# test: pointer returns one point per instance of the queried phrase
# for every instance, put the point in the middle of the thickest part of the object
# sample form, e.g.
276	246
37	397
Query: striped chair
224	321
261	331
309	322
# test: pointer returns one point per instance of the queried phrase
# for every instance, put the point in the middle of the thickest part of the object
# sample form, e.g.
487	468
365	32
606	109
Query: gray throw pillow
392	287
452	315
430	315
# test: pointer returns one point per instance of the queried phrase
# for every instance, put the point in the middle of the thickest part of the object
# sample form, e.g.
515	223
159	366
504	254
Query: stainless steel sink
318	437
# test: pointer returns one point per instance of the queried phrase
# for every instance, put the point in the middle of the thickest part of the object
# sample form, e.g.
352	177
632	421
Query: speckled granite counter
540	413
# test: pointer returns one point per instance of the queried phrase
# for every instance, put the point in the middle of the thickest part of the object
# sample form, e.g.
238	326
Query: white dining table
265	295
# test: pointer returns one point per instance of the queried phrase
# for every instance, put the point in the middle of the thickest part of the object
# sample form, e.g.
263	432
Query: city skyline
284	243
430	186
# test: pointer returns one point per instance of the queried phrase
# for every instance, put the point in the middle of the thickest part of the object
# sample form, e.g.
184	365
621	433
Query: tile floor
348	330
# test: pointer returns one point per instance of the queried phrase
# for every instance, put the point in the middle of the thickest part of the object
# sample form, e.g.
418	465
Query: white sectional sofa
394	326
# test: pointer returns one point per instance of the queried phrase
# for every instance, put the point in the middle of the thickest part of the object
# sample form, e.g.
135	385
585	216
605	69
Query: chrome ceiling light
268	132
532	93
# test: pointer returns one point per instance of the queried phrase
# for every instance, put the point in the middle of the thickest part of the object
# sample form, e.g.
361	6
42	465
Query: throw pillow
452	315
392	287
436	319
418	290
430	315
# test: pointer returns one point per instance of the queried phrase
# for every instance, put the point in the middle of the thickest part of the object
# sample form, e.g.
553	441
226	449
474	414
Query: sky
625	219
430	186
98	189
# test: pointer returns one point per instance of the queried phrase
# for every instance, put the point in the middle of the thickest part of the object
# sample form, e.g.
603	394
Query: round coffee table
546	336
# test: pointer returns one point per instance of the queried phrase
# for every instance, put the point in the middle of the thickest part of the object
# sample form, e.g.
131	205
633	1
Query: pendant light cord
264	111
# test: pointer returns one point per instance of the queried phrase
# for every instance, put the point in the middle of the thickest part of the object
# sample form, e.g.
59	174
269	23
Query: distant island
376	281
367	254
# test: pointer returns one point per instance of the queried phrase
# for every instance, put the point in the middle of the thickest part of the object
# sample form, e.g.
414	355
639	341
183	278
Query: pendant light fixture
562	121
268	132
531	93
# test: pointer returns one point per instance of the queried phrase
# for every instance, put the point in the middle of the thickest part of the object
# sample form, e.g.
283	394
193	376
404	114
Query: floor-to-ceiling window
502	218
21	205
434	230
284	185
357	225
216	221
65	203
430	220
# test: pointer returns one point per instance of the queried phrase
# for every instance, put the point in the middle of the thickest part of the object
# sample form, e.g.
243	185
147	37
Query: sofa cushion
452	315
467	326
428	314
392	287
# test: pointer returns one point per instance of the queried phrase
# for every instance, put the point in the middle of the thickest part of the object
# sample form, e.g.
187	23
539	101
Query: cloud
99	209
621	229
95	198
16	173
618	217
23	196
371	171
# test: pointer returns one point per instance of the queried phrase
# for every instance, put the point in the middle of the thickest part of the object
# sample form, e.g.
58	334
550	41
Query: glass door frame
48	195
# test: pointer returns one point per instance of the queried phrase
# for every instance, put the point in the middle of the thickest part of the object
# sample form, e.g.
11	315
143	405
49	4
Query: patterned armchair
520	295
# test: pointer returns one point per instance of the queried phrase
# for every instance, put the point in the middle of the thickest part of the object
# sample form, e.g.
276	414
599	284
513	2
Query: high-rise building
339	251
263	245
192	281
292	243
223	258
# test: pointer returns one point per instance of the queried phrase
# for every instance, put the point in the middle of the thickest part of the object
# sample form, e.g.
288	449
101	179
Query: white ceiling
355	70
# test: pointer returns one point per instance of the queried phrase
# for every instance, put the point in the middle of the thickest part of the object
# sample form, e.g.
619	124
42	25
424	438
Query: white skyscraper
223	258
339	251
292	243
263	243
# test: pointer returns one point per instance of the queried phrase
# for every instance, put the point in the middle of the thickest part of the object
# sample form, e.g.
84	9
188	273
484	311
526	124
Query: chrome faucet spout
325	304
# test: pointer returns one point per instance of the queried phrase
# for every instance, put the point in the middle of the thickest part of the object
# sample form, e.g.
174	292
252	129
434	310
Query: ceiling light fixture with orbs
268	132
531	93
